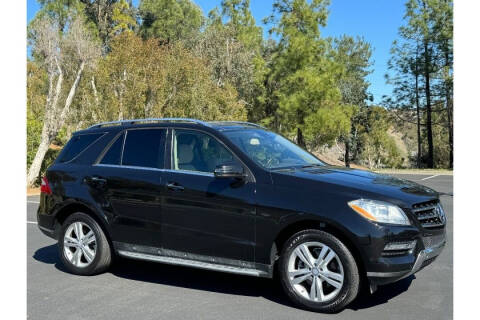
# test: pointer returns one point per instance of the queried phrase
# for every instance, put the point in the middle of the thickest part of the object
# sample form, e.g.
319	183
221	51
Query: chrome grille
429	214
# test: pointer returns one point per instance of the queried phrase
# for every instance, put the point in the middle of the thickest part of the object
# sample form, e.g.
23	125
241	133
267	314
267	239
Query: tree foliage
305	78
378	148
122	18
141	79
64	55
232	45
102	60
421	72
170	20
354	55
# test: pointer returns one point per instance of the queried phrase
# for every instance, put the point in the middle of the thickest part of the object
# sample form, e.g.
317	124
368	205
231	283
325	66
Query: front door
204	215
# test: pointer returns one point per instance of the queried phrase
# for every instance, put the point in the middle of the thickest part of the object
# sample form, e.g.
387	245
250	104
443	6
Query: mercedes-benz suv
235	197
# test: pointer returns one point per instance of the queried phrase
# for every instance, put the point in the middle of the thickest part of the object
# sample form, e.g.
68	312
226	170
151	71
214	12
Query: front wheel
318	272
83	246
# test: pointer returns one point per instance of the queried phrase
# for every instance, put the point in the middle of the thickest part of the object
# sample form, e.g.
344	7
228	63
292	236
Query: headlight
379	211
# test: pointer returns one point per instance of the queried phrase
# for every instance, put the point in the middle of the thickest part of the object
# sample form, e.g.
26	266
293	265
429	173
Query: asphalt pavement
141	290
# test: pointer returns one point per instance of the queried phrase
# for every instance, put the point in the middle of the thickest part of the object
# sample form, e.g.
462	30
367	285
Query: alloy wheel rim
315	272
79	244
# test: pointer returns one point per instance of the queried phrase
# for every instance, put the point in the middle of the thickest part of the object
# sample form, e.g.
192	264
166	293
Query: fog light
404	245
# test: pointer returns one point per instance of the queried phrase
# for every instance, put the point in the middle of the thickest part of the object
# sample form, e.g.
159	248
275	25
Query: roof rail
147	120
241	122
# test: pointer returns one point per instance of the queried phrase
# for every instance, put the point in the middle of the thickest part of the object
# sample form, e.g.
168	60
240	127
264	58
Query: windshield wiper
313	165
289	168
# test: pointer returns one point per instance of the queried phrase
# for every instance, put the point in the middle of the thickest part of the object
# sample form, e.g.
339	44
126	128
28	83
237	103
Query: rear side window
144	148
78	144
114	154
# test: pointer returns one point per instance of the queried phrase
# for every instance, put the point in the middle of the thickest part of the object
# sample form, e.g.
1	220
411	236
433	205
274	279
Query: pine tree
354	55
170	20
421	64
306	79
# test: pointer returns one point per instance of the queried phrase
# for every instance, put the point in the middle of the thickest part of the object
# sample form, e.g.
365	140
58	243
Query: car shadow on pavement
383	294
212	281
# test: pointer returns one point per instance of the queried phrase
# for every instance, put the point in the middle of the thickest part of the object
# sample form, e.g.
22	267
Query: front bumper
423	258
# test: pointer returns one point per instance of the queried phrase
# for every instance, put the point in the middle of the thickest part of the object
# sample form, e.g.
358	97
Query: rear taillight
45	187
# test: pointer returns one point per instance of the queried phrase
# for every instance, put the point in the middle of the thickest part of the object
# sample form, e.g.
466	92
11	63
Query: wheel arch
72	207
297	226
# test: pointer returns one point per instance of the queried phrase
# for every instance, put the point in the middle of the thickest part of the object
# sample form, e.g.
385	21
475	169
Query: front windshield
271	150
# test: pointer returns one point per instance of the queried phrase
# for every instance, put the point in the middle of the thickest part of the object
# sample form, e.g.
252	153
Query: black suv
235	197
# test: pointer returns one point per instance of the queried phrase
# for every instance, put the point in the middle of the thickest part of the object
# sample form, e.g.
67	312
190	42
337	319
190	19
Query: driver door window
196	151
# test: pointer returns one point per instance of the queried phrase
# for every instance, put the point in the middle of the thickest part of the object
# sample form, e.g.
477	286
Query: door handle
96	181
175	186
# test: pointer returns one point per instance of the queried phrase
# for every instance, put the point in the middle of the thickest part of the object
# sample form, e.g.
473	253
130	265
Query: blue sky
376	20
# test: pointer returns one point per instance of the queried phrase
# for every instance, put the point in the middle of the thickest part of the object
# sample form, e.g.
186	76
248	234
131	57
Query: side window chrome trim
197	173
127	167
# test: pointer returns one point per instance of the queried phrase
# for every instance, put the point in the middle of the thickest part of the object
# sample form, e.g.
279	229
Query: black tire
351	282
103	256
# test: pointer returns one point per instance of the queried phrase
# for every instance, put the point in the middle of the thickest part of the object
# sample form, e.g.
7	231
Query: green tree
233	50
422	75
240	19
442	11
37	87
170	20
419	28
140	79
65	56
98	13
306	78
122	18
405	76
378	147
59	11
354	55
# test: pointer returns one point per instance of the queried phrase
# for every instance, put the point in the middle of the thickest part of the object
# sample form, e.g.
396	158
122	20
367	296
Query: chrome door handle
175	186
96	181
99	180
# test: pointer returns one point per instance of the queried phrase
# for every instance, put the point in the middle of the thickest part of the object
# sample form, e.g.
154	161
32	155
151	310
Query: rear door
204	215
129	180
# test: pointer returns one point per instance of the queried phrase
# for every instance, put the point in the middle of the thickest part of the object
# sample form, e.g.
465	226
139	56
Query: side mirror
230	170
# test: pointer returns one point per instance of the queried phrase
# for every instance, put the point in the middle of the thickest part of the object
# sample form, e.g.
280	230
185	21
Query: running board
193	263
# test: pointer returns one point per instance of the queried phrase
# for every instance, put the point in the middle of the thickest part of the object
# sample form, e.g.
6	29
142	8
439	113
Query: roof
219	125
229	125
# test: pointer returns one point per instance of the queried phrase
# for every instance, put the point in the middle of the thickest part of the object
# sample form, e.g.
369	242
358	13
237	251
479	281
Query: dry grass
33	191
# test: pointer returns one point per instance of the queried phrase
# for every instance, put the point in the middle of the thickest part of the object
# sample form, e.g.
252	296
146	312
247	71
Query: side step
193	263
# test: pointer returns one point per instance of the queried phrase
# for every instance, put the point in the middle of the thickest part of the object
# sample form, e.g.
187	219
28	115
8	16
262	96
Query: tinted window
77	144
197	151
144	148
114	154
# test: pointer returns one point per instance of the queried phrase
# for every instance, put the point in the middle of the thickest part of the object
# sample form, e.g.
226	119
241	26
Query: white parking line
32	222
436	175
37	202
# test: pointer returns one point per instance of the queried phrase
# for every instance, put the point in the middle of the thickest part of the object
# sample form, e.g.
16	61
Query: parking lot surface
140	290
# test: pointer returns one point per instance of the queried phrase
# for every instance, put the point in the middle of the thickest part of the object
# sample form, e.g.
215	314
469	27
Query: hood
359	183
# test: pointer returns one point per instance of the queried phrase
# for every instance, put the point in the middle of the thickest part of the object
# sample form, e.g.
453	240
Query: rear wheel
84	248
318	272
